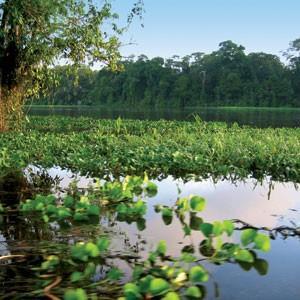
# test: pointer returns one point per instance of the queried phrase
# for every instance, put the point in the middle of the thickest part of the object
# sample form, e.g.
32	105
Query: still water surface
259	118
245	200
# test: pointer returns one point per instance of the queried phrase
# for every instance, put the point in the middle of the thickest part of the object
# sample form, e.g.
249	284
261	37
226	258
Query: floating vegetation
183	149
87	268
75	243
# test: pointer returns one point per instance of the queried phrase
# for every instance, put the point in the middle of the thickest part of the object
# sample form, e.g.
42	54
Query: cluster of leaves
212	245
70	208
125	197
79	265
158	147
183	277
160	276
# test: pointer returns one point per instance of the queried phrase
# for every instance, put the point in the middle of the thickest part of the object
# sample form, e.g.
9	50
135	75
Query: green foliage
226	77
118	195
78	294
160	276
97	148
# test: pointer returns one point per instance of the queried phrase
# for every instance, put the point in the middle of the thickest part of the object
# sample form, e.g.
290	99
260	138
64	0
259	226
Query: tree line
225	77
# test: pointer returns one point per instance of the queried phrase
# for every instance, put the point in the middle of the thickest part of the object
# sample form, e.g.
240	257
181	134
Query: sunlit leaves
244	256
207	229
197	203
161	248
248	236
198	274
193	292
78	294
158	286
261	241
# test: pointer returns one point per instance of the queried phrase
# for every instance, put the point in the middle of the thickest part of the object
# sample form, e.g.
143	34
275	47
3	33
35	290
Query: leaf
171	296
197	203
187	230
228	227
248	236
76	276
151	189
144	283
141	224
244	255
217	228
132	291
68	201
262	242
93	210
158	286
78	294
161	248
195	222
114	274
80	217
206	229
90	269
92	249
261	266
193	292
167	220
103	244
198	274
167	212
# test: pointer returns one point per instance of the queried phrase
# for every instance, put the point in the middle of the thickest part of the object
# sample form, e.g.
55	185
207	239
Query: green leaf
167	212
171	296
195	222
193	292
206	229
187	230
103	244
248	236
114	274
262	242
158	287
68	201
144	283
76	276
217	228
198	274
92	249
197	203
132	291
167	220
93	210
90	269
261	266
244	255
63	213
151	189
161	248
80	217
78	294
228	227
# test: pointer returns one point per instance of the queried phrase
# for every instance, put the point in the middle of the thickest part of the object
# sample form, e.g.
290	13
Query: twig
47	289
10	256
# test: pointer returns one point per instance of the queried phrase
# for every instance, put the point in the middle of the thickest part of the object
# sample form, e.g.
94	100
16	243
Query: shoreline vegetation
197	108
128	147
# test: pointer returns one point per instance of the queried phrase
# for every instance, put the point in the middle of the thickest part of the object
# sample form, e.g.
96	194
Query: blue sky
186	26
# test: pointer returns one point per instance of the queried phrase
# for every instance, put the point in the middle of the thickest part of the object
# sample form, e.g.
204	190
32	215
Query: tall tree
38	34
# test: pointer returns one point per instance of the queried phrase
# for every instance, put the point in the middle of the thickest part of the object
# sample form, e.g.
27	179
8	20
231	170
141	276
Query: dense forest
226	77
